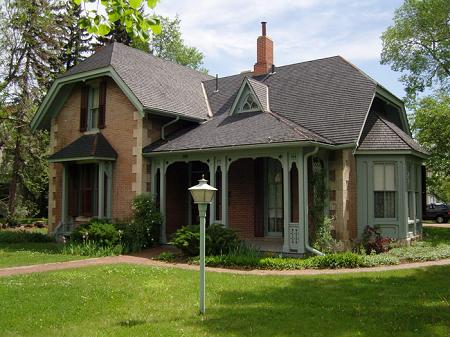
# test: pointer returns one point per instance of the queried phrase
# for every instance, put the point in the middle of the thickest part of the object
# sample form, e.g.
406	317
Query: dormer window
249	104
253	96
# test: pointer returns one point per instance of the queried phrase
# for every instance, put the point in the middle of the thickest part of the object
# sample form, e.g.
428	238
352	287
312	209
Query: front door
274	198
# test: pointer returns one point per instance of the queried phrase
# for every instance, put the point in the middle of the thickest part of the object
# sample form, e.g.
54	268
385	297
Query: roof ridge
164	60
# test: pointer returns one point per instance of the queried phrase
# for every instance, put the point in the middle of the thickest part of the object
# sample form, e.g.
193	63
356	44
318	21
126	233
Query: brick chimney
264	56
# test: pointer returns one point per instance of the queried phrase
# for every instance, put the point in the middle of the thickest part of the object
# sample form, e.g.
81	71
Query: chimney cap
263	27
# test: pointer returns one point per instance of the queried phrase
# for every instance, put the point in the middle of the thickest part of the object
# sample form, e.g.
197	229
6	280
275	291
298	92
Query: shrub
187	239
324	239
99	231
373	241
335	261
166	256
219	240
144	229
19	236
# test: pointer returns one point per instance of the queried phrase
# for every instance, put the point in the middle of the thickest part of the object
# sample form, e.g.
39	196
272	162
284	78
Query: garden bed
435	246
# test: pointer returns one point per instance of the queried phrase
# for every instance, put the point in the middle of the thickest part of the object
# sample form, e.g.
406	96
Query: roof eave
252	146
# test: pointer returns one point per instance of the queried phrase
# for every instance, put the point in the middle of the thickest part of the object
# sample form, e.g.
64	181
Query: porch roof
87	147
226	130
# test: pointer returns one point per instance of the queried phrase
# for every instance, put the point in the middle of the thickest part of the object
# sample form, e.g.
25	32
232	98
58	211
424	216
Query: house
124	122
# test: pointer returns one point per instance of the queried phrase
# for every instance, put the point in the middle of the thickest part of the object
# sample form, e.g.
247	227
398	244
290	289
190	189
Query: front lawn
23	254
125	300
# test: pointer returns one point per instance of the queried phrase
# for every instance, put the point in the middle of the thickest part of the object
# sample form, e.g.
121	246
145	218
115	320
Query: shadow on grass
132	322
407	303
41	247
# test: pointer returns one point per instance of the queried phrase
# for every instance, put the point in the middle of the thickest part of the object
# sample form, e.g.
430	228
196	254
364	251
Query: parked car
438	212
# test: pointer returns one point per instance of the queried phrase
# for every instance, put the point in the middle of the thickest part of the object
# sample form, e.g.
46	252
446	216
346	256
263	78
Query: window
249	104
93	106
384	190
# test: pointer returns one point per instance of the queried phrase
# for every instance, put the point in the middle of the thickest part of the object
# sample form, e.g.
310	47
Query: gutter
163	128
305	201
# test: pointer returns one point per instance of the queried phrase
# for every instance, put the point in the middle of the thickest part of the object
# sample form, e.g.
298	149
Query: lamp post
202	195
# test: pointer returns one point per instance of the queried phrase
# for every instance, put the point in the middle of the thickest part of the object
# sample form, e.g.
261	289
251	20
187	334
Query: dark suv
438	212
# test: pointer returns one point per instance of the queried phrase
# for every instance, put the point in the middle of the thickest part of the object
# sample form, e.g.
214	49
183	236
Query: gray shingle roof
262	93
328	96
158	84
236	130
381	134
87	146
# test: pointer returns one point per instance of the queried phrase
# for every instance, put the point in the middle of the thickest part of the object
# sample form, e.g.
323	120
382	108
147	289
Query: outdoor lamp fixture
202	195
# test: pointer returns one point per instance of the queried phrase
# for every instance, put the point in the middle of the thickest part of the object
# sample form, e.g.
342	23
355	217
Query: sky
226	31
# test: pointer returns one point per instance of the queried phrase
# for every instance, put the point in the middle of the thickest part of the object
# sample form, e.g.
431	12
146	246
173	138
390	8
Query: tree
30	44
431	124
129	14
77	43
418	44
170	45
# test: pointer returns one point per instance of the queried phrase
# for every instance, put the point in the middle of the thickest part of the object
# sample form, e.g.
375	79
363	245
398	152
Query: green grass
125	300
22	254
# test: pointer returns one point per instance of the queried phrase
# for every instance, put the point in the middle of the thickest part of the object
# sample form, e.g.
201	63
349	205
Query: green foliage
374	260
418	44
421	251
170	45
92	249
19	236
330	261
129	14
324	239
98	232
319	197
166	256
431	125
218	240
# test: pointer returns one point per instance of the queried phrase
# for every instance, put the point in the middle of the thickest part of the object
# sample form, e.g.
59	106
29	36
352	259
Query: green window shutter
102	105
84	107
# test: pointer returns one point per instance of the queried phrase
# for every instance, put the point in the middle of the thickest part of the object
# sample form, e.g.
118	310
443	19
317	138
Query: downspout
305	201
163	128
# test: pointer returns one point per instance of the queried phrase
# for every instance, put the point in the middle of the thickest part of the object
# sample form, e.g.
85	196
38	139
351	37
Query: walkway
126	259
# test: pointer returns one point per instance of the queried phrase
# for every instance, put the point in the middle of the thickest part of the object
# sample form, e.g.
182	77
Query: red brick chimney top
264	54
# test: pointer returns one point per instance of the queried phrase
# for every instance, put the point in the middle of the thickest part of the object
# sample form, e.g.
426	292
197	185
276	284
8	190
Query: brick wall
121	123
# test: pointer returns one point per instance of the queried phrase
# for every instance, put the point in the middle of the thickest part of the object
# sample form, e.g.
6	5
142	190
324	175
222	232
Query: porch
261	194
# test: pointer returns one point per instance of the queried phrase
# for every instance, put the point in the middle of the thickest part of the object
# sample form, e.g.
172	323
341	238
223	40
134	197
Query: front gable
253	96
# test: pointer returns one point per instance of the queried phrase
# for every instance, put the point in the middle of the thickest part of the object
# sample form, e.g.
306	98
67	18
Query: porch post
212	182
286	202
65	194
162	200
224	168
301	210
101	190
108	206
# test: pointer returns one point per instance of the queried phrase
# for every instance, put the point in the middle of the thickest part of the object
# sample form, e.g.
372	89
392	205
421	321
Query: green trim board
53	102
391	98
